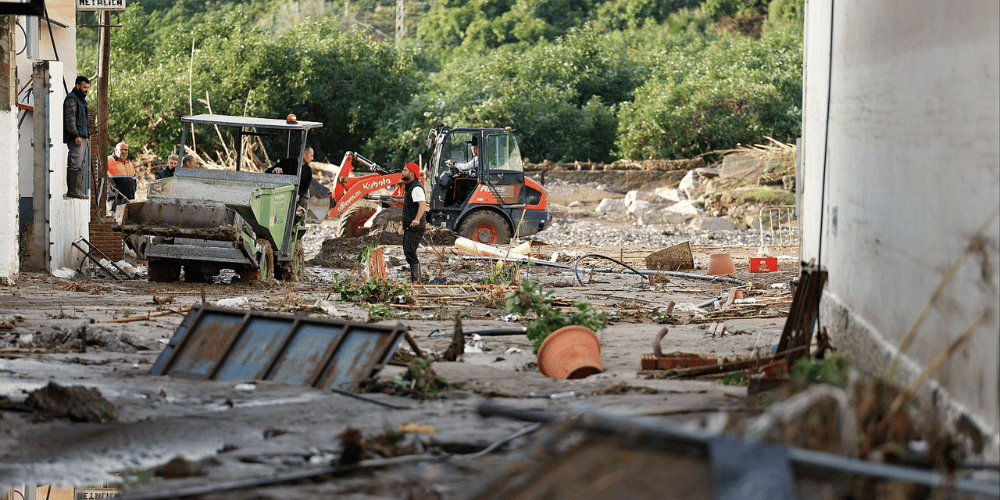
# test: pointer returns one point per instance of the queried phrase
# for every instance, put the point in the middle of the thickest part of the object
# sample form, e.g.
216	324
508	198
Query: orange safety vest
119	167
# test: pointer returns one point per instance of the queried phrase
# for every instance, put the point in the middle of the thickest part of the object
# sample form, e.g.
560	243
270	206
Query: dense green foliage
593	80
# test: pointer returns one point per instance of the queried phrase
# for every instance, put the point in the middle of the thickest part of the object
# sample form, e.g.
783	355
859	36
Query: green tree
738	90
315	71
591	80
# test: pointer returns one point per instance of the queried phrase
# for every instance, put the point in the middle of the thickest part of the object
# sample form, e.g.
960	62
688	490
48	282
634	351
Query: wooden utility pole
103	81
400	20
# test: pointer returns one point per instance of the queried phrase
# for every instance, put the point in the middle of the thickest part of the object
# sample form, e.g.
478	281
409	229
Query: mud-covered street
167	437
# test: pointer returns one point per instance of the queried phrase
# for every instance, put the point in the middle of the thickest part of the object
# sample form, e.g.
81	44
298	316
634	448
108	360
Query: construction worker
122	174
460	169
467	167
414	208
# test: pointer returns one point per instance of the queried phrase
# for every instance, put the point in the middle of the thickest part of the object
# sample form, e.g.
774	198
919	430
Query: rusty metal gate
214	343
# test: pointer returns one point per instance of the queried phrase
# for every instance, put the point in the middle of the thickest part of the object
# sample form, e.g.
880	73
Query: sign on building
100	4
96	493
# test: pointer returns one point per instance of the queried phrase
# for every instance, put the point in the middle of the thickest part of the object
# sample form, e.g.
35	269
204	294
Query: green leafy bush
549	318
374	290
833	370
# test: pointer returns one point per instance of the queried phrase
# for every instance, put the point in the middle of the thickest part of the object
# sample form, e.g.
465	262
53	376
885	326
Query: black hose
576	265
677	274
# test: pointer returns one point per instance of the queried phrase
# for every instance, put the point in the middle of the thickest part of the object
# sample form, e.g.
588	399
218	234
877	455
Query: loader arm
349	190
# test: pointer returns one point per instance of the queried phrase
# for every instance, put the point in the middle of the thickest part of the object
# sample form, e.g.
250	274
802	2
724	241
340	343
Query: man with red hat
414	208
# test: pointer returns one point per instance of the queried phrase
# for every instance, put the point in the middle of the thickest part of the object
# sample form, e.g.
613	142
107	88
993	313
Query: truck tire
193	273
164	271
265	263
292	270
485	227
352	222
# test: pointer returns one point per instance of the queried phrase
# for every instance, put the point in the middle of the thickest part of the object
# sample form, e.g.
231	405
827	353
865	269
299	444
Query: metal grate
233	344
779	226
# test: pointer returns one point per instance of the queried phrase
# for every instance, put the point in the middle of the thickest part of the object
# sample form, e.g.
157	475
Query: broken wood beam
131	319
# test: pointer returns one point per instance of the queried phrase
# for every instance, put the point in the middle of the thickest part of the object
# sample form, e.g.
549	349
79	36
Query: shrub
549	318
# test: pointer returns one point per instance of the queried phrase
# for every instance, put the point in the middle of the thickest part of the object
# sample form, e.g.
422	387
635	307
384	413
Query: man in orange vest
122	174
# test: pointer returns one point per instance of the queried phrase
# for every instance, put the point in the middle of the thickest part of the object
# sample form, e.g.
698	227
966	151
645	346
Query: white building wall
901	179
9	263
69	218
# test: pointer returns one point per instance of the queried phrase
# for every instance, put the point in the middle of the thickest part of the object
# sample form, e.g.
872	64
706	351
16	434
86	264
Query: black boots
74	183
414	273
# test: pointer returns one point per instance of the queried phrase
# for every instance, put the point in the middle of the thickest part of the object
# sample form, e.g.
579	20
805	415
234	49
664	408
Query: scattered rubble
411	431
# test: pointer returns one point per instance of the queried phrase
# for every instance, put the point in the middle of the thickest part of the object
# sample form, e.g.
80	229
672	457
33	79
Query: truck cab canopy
248	126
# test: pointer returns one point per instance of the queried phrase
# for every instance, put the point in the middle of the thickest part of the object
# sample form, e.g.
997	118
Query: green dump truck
204	221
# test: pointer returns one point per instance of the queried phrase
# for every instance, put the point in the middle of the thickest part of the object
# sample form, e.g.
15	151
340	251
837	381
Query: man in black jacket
76	135
414	207
288	166
168	171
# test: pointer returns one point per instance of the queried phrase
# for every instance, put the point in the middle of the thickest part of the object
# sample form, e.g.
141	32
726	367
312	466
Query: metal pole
104	79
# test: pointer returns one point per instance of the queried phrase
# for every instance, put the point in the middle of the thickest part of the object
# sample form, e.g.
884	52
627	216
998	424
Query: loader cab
498	177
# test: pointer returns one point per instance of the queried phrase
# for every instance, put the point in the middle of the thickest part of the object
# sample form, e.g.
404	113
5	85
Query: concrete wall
9	248
8	154
901	181
69	218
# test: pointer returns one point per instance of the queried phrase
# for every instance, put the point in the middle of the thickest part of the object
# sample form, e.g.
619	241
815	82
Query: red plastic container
763	264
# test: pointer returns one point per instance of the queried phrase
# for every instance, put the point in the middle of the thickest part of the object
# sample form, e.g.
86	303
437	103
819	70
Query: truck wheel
485	227
193	274
265	263
292	270
352	223
164	271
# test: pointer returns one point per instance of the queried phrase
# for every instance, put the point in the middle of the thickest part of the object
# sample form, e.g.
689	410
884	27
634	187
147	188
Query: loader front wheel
485	227
164	271
352	222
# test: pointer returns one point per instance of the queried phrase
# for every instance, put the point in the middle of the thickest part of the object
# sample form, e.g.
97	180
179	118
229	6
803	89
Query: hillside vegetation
579	81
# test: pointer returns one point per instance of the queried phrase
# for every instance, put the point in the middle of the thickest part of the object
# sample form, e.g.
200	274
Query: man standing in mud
414	207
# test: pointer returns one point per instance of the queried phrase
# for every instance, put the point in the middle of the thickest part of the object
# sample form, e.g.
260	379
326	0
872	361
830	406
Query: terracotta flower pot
570	352
720	264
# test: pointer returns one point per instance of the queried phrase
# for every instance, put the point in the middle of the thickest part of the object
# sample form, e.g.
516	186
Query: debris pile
77	403
83	338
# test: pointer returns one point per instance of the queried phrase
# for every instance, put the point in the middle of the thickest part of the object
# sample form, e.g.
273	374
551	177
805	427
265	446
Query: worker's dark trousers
411	240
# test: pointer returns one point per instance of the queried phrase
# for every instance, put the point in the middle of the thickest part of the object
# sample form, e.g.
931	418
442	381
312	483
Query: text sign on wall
100	4
96	493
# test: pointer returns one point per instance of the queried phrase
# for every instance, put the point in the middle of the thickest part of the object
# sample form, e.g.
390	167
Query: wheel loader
490	204
203	221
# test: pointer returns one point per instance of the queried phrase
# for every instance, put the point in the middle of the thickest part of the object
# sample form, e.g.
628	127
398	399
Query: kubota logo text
366	187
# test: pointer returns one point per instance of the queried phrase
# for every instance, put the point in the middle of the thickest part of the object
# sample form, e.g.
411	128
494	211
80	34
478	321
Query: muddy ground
256	439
